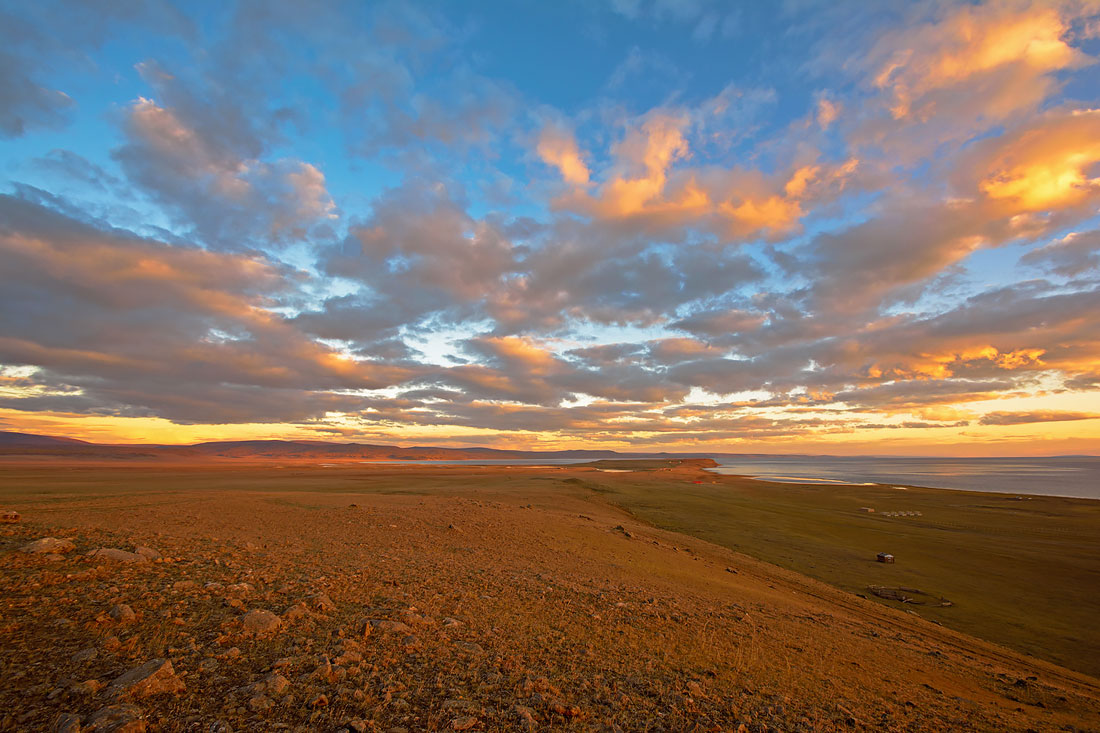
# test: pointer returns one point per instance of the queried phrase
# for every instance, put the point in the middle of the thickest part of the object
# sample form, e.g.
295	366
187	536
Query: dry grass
560	614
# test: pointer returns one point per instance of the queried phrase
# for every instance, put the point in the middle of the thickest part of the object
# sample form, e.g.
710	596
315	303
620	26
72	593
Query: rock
260	704
318	701
357	725
259	622
466	722
113	554
122	614
385	626
116	719
322	602
67	723
459	705
9	516
295	612
567	711
85	655
239	588
87	687
220	726
148	553
276	684
182	585
452	622
48	546
155	677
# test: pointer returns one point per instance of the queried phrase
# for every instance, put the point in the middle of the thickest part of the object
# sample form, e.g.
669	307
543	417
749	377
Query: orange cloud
950	363
827	112
1027	42
1048	166
653	149
643	184
559	149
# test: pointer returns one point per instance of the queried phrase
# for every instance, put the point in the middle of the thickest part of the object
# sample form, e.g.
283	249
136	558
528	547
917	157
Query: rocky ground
195	609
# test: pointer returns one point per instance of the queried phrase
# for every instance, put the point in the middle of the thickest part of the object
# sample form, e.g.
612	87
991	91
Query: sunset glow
850	228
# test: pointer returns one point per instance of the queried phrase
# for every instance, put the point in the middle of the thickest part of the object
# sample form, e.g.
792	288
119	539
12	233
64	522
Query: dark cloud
1071	256
1022	418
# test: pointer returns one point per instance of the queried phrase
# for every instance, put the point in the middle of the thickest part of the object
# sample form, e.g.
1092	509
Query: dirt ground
451	598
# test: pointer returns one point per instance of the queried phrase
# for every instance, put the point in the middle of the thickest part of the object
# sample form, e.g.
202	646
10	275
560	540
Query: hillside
455	598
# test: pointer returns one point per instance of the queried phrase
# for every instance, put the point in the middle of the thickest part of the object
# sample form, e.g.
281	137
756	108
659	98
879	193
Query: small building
868	509
885	557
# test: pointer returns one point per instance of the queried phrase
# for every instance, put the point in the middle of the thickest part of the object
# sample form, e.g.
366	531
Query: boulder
155	677
113	554
116	719
122	614
67	723
48	546
9	516
147	552
259	622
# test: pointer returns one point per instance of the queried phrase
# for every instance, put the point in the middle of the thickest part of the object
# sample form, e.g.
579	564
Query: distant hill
29	439
25	444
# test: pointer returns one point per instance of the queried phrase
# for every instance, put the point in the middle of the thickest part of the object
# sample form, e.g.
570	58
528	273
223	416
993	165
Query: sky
681	225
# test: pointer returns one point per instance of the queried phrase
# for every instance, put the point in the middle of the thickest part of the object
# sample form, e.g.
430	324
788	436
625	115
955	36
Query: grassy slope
1025	574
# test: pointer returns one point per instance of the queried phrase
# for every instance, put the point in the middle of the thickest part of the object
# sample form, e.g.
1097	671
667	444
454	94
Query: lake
1056	476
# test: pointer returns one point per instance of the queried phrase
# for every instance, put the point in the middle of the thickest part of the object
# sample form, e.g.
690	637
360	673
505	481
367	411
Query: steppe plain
609	597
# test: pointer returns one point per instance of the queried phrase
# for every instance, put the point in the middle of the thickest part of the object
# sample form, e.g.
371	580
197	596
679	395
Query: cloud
135	326
1046	165
1038	416
991	60
1071	256
223	199
643	189
559	149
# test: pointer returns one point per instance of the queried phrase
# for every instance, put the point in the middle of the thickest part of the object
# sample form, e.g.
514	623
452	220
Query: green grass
1023	573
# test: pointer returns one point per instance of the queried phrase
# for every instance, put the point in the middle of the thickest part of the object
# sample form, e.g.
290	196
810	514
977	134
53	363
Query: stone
155	677
276	684
85	655
295	612
122	614
561	708
67	723
259	622
318	701
9	516
260	704
148	553
322	602
116	719
87	687
48	546
113	554
357	725
385	626
466	722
